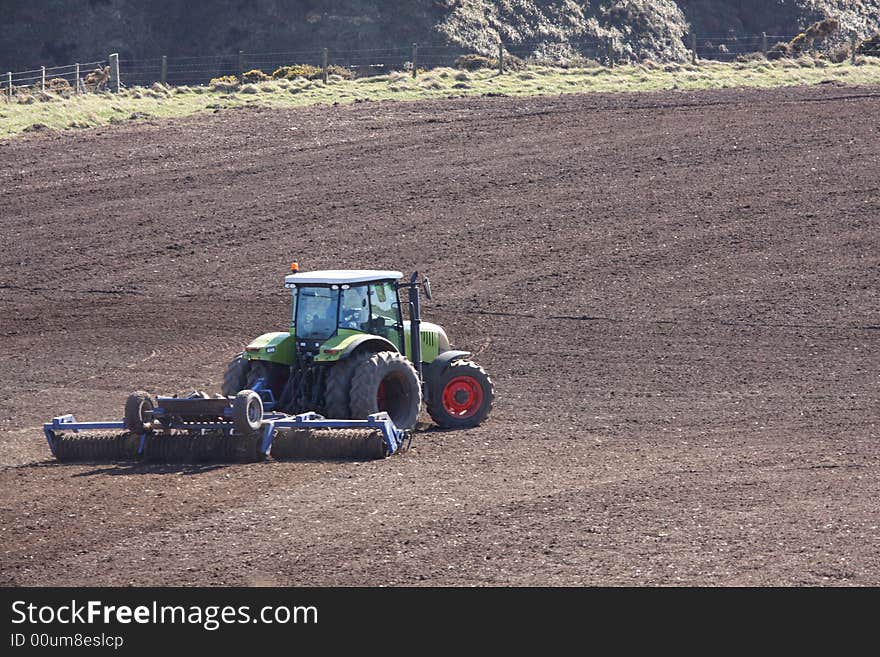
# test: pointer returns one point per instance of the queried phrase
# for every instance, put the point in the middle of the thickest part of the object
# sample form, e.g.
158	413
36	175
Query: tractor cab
342	304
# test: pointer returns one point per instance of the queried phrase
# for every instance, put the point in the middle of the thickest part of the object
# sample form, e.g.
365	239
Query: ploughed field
676	295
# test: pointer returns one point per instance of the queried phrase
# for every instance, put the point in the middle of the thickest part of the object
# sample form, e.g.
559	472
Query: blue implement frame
394	437
270	422
69	423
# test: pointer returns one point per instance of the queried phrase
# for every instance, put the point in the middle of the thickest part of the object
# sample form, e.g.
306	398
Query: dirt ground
677	295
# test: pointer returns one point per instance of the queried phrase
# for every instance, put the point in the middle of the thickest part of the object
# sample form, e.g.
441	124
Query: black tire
274	374
400	383
468	402
235	377
135	405
337	389
247	412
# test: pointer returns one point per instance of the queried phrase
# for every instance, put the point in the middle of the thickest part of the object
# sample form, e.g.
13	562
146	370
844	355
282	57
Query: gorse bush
805	40
341	71
297	71
224	83
310	72
255	75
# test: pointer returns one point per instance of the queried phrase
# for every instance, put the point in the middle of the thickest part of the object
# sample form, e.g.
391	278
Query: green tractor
349	353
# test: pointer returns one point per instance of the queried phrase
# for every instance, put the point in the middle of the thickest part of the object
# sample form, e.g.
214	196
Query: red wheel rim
462	397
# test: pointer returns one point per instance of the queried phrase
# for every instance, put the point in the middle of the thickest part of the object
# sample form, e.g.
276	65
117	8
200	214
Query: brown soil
675	294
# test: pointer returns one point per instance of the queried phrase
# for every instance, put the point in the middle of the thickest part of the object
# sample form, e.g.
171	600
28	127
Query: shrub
778	51
58	85
297	71
822	29
477	62
870	46
473	62
310	72
341	71
255	75
159	90
97	79
580	61
798	44
803	41
751	57
224	83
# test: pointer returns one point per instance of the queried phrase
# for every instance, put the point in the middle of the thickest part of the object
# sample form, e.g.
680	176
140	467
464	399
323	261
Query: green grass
78	112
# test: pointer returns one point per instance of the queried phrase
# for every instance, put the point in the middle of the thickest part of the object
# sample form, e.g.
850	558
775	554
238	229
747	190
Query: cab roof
340	276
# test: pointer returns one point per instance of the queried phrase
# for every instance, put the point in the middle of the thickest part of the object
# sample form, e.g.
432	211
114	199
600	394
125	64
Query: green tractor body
349	352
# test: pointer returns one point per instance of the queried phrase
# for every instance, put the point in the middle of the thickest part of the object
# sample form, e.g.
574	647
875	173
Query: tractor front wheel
337	390
461	397
236	376
388	382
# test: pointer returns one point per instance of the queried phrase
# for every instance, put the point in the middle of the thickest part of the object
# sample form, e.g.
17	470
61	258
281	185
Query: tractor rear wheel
386	381
461	397
236	376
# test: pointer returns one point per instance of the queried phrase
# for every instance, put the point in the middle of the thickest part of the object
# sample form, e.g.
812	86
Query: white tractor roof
340	276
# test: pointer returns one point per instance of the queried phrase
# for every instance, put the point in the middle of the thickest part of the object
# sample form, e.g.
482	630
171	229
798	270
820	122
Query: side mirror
426	286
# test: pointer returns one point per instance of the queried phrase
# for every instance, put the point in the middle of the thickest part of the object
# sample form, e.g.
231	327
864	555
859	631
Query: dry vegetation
58	109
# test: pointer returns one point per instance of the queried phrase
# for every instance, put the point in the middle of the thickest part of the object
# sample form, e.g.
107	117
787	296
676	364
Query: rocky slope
63	31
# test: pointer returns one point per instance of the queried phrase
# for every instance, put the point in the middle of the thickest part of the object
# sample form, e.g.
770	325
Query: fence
365	62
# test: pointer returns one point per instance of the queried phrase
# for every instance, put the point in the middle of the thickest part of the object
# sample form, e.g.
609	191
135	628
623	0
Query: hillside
63	31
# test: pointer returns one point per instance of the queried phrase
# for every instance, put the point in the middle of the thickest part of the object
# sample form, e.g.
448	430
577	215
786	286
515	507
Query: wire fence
52	78
201	69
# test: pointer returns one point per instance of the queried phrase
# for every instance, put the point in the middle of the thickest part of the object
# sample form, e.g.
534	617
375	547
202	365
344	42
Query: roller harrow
202	429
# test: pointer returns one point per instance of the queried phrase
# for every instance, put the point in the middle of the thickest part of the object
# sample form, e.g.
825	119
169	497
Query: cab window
316	312
384	313
354	311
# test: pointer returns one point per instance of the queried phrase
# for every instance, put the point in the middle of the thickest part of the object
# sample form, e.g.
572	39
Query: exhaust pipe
415	326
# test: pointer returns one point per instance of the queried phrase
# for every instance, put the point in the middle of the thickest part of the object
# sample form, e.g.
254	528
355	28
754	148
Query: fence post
9	80
610	52
500	58
415	61
164	78
76	79
324	65
764	43
693	48
241	64
852	48
114	72
43	78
